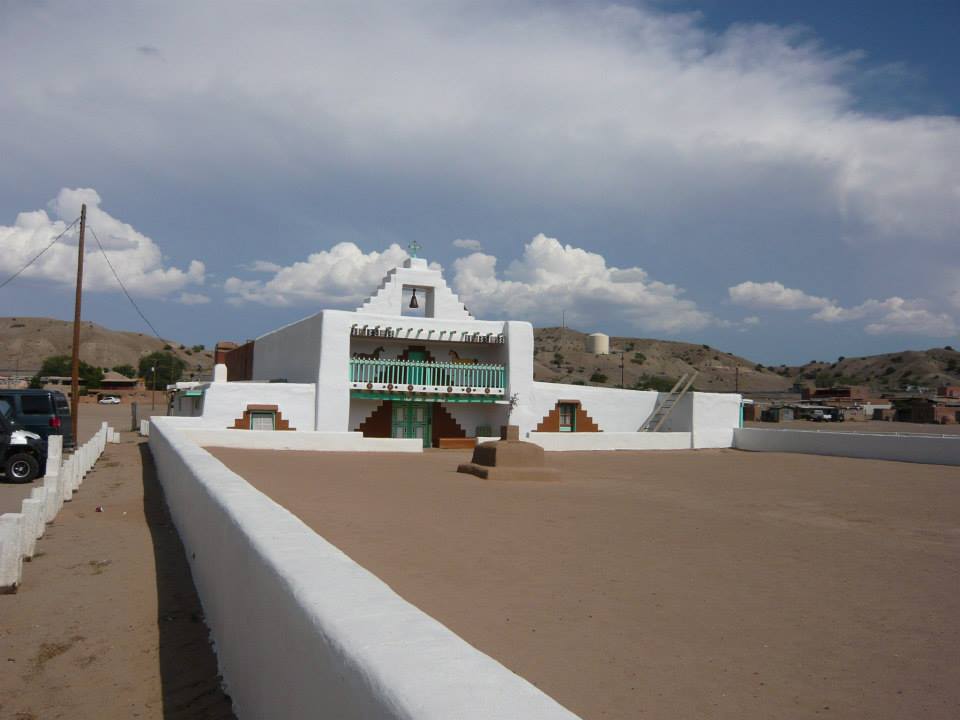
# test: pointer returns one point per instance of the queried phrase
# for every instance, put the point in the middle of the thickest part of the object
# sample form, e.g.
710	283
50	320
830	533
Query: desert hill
26	341
889	371
561	357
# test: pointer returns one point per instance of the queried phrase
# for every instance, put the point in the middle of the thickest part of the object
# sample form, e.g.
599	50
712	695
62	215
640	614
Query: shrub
639	358
598	377
198	348
655	382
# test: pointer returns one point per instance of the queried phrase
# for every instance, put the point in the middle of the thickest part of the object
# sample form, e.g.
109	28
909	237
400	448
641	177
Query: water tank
598	344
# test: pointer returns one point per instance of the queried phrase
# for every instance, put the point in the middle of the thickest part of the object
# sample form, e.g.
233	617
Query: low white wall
556	441
317	441
301	629
715	417
880	446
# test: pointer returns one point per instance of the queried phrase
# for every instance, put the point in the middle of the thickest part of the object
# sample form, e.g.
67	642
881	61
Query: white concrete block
54	454
145	428
219	373
32	511
11	551
51	484
40	494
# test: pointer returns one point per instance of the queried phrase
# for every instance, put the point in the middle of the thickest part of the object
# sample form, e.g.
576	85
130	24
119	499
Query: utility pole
153	395
621	370
75	371
737	386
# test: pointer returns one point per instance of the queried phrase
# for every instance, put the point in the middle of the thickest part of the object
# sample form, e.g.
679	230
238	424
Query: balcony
415	379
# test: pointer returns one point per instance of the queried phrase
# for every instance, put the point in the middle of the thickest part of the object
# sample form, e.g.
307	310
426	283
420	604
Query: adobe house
413	362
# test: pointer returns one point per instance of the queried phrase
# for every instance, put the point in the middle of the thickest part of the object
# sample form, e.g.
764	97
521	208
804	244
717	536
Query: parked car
43	412
109	400
23	454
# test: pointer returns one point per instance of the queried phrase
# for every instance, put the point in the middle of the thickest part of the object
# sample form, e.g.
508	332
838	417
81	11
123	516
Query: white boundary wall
20	531
935	450
556	441
300	629
315	441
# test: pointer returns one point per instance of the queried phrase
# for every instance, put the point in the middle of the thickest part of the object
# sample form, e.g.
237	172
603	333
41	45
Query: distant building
949	391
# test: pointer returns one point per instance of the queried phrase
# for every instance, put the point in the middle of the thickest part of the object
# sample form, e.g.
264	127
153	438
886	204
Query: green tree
126	370
62	366
598	377
169	369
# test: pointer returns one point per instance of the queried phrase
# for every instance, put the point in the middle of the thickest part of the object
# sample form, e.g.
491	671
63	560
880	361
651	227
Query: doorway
412	420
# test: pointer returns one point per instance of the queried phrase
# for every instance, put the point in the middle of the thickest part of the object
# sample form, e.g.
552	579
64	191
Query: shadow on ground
188	667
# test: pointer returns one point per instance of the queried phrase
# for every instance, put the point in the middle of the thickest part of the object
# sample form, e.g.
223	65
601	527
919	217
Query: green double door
412	420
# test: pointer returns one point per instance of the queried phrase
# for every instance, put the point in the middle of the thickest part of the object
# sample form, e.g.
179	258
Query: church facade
412	362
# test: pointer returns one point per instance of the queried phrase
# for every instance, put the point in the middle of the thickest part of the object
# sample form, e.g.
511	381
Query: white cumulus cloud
135	257
550	277
467	244
340	276
774	295
892	316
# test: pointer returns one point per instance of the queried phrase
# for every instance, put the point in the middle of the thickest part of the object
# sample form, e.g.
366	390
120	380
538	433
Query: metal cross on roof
413	247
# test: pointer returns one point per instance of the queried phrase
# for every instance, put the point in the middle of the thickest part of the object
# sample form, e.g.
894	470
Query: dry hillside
890	371
561	357
25	342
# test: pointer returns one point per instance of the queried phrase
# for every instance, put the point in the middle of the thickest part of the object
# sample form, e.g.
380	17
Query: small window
260	420
35	405
568	417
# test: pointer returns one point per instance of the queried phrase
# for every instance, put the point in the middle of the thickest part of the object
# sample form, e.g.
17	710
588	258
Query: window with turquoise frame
260	420
568	417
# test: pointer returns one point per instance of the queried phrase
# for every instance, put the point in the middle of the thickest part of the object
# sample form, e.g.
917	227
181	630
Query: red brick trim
243	422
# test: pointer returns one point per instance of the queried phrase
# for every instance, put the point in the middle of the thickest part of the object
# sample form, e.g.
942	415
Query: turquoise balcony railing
426	376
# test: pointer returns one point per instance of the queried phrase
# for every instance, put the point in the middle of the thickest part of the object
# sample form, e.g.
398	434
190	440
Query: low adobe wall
880	446
557	441
301	629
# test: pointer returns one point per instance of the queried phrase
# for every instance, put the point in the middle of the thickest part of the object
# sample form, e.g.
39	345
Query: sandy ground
871	426
107	624
709	584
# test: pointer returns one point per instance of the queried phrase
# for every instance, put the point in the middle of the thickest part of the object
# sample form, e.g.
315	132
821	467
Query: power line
37	256
122	286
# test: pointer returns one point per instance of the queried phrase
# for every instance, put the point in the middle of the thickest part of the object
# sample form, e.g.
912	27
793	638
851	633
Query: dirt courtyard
708	584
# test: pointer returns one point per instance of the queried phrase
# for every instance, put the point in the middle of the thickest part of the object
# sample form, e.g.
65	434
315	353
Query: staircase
663	410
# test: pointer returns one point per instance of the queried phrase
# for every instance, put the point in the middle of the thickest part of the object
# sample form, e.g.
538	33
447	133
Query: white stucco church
412	362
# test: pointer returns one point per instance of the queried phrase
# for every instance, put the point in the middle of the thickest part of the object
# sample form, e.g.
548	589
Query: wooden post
75	371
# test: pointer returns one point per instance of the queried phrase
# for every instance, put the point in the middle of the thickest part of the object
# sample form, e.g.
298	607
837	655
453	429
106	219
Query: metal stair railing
663	410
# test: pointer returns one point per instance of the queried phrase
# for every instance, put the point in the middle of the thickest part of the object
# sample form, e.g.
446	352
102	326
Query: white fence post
11	556
31	510
40	495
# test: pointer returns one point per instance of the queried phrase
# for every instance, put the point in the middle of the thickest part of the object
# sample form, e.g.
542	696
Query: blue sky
775	179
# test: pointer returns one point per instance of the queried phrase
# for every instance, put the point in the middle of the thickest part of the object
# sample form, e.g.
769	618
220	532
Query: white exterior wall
715	417
291	352
612	409
299	628
225	402
470	415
